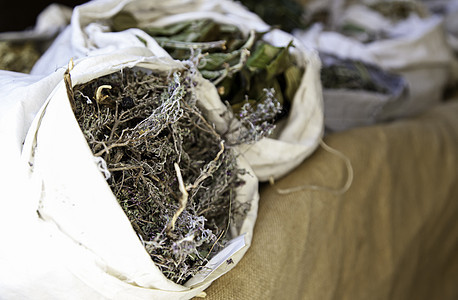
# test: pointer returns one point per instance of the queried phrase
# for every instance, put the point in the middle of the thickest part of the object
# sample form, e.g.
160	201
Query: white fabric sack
417	49
271	157
55	244
449	11
348	108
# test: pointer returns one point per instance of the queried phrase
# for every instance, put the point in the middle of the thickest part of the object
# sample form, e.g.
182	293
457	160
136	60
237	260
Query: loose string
337	191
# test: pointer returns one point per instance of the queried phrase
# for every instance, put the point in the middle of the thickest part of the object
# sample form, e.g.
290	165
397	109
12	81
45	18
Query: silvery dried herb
172	174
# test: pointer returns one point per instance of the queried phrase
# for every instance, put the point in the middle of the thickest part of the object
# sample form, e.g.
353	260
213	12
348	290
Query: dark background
17	15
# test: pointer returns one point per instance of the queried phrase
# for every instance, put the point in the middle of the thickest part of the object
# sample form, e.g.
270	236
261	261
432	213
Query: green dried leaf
142	40
212	75
188	31
280	63
293	78
262	57
199	31
169	30
215	61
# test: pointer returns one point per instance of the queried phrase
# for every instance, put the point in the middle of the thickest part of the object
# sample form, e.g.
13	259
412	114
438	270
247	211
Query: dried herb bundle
241	67
287	14
18	56
397	10
170	171
393	11
350	74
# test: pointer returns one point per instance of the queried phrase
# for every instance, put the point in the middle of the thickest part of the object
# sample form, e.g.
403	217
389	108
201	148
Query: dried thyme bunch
170	171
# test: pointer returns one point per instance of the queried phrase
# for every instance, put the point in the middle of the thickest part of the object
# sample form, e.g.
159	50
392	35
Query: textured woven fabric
393	235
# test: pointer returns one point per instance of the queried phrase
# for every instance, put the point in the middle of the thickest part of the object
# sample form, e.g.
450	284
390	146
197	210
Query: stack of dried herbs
397	10
171	172
337	73
18	56
287	14
394	11
241	67
361	33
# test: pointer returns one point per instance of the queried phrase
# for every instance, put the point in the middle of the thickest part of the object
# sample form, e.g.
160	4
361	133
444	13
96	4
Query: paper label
223	257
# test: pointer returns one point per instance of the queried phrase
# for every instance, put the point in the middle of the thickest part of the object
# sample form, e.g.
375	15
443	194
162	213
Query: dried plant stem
183	199
231	70
106	148
69	85
214	244
211	168
98	94
184	190
204	121
192	45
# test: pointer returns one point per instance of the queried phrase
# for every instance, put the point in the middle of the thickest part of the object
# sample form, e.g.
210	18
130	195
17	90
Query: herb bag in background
448	10
83	244
298	134
414	48
451	24
356	93
20	50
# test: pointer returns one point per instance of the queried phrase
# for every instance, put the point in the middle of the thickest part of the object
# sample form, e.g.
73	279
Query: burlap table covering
393	235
